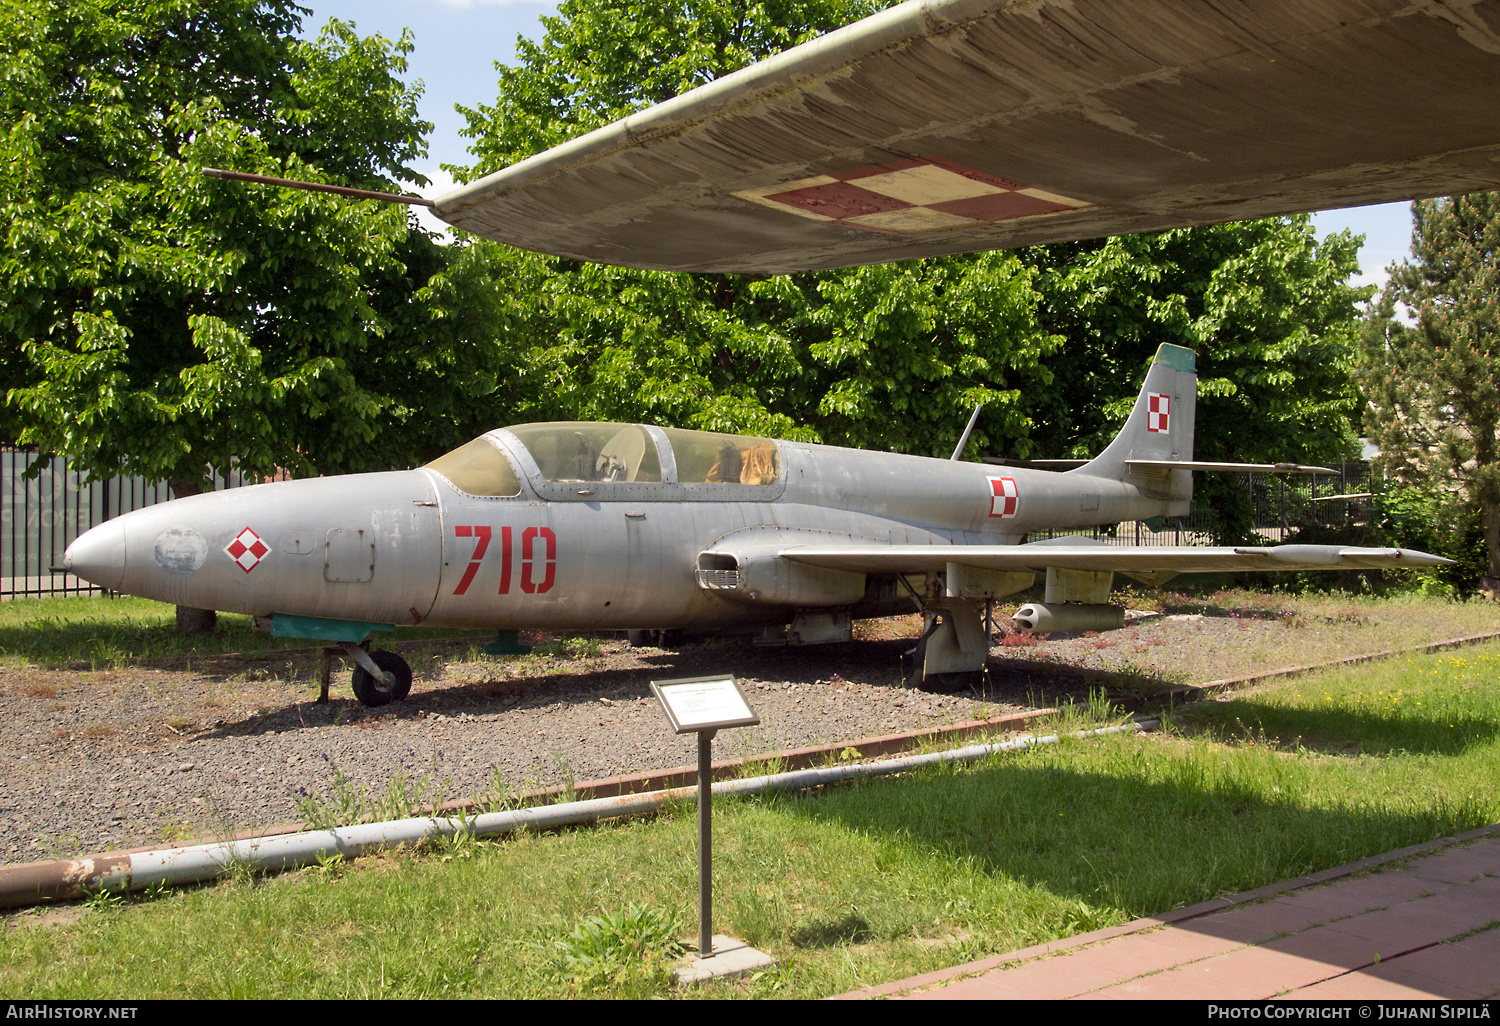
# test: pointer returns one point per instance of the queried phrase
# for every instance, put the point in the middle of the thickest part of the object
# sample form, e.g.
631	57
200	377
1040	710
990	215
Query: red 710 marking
529	556
528	539
481	532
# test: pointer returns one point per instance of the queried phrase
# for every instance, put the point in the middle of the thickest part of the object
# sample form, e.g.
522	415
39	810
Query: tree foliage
600	60
1434	387
1266	307
157	322
161	323
893	356
1055	340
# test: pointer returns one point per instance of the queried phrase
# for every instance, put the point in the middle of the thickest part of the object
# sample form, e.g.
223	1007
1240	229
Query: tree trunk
1492	537
196	621
192	621
1489	518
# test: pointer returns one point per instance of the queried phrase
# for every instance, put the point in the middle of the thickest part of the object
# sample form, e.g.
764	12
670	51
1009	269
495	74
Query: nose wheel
390	681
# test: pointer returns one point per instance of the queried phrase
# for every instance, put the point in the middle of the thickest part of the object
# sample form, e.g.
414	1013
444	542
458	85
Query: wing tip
1396	559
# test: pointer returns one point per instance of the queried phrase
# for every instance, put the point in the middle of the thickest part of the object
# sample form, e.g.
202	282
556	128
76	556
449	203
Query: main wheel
911	664
372	692
948	683
655	639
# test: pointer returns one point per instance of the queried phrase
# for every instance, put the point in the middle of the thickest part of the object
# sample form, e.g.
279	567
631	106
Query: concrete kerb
1192	692
196	863
31	883
1175	916
49	880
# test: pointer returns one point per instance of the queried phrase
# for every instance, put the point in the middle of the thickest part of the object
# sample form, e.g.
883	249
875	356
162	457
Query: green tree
1434	387
600	60
1266	307
156	322
893	356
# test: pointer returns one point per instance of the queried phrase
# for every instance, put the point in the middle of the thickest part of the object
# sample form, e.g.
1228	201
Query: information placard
704	703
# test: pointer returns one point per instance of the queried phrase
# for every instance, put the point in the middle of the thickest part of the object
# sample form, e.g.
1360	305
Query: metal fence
41	515
1281	505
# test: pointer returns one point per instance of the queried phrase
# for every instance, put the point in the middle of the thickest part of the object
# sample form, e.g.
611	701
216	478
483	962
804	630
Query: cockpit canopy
577	452
478	468
571	452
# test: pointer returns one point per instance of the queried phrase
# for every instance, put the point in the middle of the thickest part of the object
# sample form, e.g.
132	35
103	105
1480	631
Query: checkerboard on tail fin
1160	427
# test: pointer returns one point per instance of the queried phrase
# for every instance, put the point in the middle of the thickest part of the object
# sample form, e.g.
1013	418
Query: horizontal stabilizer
1002	461
897	559
1241	468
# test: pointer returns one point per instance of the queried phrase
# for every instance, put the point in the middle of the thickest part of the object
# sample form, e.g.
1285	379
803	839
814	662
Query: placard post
705	843
704	706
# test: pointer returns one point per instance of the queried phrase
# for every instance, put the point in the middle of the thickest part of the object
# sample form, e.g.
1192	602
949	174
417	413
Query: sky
459	41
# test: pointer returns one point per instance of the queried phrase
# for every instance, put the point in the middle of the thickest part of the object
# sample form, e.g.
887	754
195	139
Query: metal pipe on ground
76	878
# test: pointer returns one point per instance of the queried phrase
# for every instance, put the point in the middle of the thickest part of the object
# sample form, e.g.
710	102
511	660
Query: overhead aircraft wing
896	559
949	126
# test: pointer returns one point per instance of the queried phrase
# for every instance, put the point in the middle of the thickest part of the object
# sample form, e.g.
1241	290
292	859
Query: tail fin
1160	427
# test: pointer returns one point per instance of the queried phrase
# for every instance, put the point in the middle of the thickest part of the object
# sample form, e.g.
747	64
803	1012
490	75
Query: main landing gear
668	639
914	661
951	653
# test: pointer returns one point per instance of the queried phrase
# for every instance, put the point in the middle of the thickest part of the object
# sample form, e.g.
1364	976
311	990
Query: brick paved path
1426	925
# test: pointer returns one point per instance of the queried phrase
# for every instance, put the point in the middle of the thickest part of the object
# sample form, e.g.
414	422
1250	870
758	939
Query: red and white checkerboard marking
910	197
1158	412
247	550
1005	496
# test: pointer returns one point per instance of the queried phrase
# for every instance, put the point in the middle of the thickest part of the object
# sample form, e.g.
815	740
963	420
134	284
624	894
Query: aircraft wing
890	559
949	126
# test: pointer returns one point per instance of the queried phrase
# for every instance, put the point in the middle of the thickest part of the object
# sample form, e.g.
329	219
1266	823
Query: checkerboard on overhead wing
910	197
957	126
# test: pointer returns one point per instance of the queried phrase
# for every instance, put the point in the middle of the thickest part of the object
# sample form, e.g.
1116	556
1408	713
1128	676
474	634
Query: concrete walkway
1424	924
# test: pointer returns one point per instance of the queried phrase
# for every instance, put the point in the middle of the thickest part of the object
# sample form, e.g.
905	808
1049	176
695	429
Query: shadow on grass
850	928
1138	831
1180	605
97	643
1043	682
1342	731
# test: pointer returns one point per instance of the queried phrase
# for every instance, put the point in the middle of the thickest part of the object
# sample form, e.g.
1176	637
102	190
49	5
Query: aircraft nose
98	555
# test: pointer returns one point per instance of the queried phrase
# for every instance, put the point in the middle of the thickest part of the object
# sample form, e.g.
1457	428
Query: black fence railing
1281	505
41	515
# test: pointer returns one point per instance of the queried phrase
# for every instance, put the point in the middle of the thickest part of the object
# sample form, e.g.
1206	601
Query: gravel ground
138	755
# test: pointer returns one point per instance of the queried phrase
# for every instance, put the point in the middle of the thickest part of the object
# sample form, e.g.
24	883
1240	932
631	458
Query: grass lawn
848	887
96	632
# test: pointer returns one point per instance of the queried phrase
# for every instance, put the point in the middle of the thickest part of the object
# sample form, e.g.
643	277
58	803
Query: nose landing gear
391	680
379	677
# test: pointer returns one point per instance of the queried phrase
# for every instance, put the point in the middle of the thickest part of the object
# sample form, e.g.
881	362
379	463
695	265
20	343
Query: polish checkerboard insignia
1158	412
919	196
247	550
1004	496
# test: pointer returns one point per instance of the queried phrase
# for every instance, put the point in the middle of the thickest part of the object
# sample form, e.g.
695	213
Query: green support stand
507	643
319	629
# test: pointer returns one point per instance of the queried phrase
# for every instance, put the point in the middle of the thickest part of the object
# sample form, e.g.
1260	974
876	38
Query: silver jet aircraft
937	126
584	526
